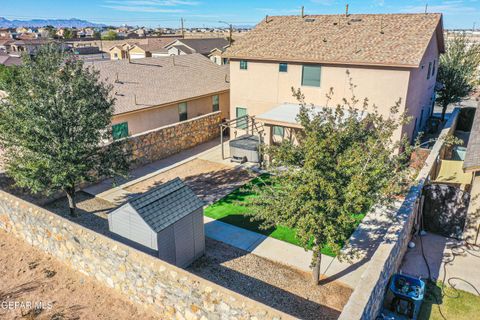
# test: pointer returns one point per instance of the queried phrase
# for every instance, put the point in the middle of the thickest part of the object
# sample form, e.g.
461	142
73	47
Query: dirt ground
209	180
273	284
30	276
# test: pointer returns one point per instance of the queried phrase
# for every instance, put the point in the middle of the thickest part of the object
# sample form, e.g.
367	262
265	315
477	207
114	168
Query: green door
243	123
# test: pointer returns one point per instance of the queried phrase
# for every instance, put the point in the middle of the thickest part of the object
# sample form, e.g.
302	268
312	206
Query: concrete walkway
446	258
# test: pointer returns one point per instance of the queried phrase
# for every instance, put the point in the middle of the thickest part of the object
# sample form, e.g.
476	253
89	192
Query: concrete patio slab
447	258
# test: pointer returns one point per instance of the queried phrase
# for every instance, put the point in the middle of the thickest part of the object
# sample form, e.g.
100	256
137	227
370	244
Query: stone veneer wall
165	141
170	291
367	298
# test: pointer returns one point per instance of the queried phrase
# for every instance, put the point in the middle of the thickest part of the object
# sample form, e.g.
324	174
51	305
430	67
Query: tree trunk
71	201
444	110
316	269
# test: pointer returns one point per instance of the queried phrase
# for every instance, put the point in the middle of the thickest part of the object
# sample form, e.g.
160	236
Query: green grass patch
458	305
230	210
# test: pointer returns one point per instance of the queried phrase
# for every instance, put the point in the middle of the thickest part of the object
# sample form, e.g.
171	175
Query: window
243	123
243	64
283	67
182	111
278	131
311	76
434	66
429	70
215	103
115	55
120	130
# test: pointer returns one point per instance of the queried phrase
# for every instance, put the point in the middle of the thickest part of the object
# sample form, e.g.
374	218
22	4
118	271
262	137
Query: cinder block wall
170	291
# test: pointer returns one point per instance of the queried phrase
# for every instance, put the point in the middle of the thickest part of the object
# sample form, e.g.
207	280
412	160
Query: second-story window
243	64
215	103
283	67
182	111
429	70
311	76
434	67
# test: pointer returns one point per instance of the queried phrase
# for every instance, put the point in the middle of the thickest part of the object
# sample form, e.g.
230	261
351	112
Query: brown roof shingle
151	82
365	39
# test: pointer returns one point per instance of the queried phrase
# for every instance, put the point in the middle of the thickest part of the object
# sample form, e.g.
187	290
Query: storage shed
167	219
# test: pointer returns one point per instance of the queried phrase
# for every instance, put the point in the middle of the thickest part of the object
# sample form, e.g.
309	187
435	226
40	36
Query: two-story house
388	57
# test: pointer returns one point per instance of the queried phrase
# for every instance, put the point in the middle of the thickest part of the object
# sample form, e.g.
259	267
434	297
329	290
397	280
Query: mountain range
57	23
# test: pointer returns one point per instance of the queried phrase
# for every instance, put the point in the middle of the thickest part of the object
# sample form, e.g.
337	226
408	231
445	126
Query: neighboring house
5	44
28	46
216	55
154	92
389	58
120	51
167	220
154	48
8	61
202	46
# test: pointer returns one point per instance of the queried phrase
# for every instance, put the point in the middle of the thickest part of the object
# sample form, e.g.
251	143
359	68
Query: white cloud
142	9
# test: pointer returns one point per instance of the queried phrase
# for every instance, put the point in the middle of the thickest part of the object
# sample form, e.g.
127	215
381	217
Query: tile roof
184	49
205	45
472	157
150	82
166	204
365	39
7	60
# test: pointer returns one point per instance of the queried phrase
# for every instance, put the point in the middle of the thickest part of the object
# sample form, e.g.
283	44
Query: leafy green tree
110	35
55	126
68	34
458	71
345	162
7	74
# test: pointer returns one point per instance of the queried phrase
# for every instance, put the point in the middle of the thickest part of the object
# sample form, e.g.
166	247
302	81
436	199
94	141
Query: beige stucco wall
421	90
262	87
152	118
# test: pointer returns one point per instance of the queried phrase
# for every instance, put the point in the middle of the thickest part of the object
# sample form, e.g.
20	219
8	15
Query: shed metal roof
472	157
166	204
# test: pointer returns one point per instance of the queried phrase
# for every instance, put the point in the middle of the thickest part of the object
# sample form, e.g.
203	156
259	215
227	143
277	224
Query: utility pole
183	30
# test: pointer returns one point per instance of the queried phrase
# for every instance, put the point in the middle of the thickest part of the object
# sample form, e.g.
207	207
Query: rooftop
150	82
360	39
205	45
164	205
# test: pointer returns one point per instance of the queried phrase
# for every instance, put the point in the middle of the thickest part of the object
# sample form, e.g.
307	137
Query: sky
199	13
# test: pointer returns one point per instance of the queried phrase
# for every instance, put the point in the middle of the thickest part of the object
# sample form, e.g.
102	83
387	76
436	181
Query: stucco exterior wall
262	86
149	119
421	90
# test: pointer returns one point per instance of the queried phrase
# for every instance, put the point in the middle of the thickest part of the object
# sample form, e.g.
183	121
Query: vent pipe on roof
135	99
266	18
346	10
426	8
381	25
303	11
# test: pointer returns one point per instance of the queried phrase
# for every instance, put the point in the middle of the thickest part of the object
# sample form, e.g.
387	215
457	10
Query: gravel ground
209	180
29	275
273	284
92	212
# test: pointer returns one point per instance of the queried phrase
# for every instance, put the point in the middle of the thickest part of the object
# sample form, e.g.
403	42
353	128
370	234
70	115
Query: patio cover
286	115
451	172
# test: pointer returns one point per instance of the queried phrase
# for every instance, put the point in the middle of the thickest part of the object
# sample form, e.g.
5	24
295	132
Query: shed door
184	241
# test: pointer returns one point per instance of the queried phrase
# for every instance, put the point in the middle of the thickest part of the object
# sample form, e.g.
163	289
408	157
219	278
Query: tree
7	74
110	35
458	71
68	33
345	162
55	125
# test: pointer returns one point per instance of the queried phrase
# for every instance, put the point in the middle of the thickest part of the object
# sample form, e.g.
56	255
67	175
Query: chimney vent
346	10
303	11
